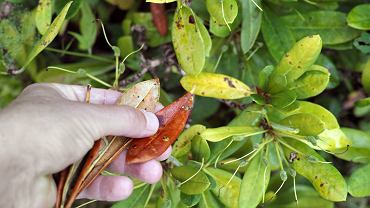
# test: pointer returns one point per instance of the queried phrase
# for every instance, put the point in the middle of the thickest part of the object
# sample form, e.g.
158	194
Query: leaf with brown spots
172	120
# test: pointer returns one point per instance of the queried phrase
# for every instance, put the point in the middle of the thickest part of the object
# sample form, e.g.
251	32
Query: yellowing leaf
43	15
215	85
218	134
48	36
296	62
187	37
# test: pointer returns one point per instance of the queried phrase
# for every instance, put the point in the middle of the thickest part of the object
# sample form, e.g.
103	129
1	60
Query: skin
48	127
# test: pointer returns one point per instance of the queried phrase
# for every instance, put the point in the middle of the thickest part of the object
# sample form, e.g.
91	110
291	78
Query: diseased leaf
215	85
359	17
359	182
188	41
183	144
196	185
330	25
312	82
252	19
48	36
333	140
254	183
295	62
172	120
218	134
226	192
222	11
325	178
43	15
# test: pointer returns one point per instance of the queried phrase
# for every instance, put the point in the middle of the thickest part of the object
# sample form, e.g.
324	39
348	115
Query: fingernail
152	123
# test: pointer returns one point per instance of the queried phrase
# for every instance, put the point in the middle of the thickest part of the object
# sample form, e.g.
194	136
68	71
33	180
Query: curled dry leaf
172	120
159	18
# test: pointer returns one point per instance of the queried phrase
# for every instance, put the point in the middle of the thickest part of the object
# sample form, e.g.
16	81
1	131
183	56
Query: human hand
48	127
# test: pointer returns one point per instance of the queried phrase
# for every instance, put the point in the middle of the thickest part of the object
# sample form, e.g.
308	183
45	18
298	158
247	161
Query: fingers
149	172
108	188
165	155
78	93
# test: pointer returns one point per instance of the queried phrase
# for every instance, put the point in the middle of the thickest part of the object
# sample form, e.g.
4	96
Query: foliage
281	108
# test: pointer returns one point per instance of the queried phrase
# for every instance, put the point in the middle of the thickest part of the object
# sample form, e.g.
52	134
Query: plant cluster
275	82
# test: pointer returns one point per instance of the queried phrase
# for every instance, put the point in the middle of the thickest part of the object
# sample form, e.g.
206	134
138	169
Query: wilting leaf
254	183
188	41
43	15
48	36
359	182
252	18
183	144
222	11
226	192
196	185
215	85
325	178
330	25
218	134
359	17
172	120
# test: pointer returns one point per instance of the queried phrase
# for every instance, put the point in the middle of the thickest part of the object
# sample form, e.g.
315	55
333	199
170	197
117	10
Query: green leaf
43	15
326	117
325	178
221	133
189	200
363	102
252	19
254	183
226	193
48	36
136	200
365	77
182	145
330	25
283	99
278	38
307	198
208	201
363	43
215	85
223	30
333	140
359	17
74	8
88	28
359	150
359	182
311	83
205	36
222	11
188	41
160	1
196	185
308	124
200	149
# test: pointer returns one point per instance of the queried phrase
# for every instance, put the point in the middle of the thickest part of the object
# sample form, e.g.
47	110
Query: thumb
103	120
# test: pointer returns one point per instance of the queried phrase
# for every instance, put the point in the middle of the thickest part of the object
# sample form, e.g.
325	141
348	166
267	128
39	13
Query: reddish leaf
159	18
172	120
